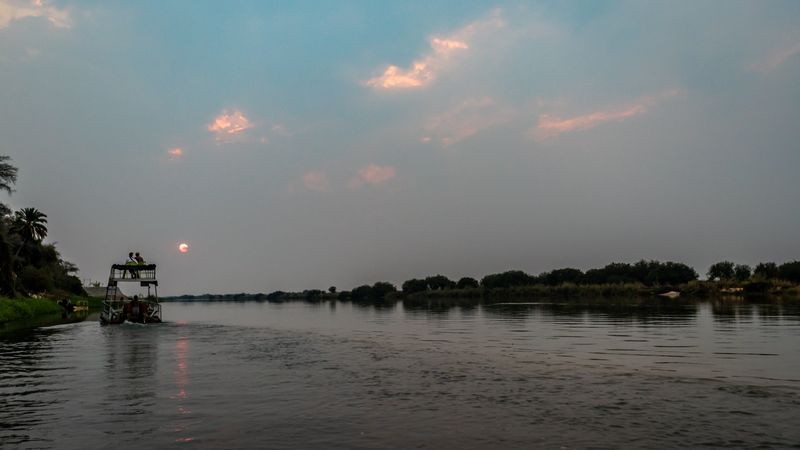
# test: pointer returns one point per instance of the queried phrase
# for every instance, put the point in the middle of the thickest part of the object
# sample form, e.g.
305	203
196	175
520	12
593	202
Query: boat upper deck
137	273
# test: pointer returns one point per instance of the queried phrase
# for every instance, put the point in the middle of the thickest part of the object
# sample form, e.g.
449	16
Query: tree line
28	265
648	274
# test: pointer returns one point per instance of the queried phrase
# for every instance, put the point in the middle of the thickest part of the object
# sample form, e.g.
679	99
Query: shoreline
22	309
566	293
27	308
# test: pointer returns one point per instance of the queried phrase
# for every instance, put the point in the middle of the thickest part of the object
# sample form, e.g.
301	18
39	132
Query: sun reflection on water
181	381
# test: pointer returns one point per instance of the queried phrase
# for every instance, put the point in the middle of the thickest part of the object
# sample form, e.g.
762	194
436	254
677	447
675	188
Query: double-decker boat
118	308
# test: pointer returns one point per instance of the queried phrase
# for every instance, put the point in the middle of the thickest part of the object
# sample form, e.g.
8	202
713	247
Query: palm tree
8	176
29	224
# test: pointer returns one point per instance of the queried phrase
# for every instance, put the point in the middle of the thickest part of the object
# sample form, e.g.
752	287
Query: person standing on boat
131	262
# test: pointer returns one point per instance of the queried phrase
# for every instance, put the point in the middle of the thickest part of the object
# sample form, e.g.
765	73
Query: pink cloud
776	58
316	181
373	174
175	153
465	120
425	69
550	126
446	45
228	124
11	10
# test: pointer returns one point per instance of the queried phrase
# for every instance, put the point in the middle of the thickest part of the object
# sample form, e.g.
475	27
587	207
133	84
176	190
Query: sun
183	247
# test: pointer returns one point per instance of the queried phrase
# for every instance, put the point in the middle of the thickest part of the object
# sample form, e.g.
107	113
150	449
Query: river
343	376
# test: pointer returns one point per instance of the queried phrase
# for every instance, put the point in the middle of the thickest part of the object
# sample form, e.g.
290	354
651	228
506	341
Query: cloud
228	124
372	174
465	120
550	126
11	10
425	69
776	58
175	153
316	181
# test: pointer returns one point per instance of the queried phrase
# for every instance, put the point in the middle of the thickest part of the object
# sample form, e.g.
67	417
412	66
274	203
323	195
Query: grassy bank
26	308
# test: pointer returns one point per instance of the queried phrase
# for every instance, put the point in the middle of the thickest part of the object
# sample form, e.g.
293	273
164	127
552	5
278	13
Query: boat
118	308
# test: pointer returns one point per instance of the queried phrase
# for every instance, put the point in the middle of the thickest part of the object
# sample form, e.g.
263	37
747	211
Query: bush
35	280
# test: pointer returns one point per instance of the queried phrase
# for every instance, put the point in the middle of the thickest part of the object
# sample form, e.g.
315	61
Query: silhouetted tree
439	282
560	276
467	283
7	275
381	289
361	293
29	225
723	270
507	279
332	289
8	177
670	273
766	271
613	273
414	285
790	271
741	272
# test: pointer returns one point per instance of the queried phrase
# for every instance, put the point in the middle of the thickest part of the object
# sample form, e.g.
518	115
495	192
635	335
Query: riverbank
30	308
26	308
566	292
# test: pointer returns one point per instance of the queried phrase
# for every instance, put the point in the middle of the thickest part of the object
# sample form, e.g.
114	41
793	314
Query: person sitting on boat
139	259
134	310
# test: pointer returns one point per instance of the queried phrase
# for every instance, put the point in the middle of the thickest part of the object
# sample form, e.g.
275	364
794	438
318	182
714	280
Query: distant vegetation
640	279
27	265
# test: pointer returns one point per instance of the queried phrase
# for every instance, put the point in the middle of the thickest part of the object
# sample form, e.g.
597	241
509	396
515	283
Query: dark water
250	375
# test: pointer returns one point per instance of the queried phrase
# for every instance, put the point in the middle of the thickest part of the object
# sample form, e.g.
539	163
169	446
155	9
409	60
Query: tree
439	282
414	285
507	279
361	293
29	224
741	272
766	271
8	177
669	273
381	289
790	271
723	270
7	275
332	289
560	276
467	283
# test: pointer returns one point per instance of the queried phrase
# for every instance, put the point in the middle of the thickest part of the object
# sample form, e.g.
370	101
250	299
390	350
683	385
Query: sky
308	144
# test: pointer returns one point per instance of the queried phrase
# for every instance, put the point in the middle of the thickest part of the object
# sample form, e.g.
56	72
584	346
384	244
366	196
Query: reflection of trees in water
617	310
766	310
369	305
731	310
640	312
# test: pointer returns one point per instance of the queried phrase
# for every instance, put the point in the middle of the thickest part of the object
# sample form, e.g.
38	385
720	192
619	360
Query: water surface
297	375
